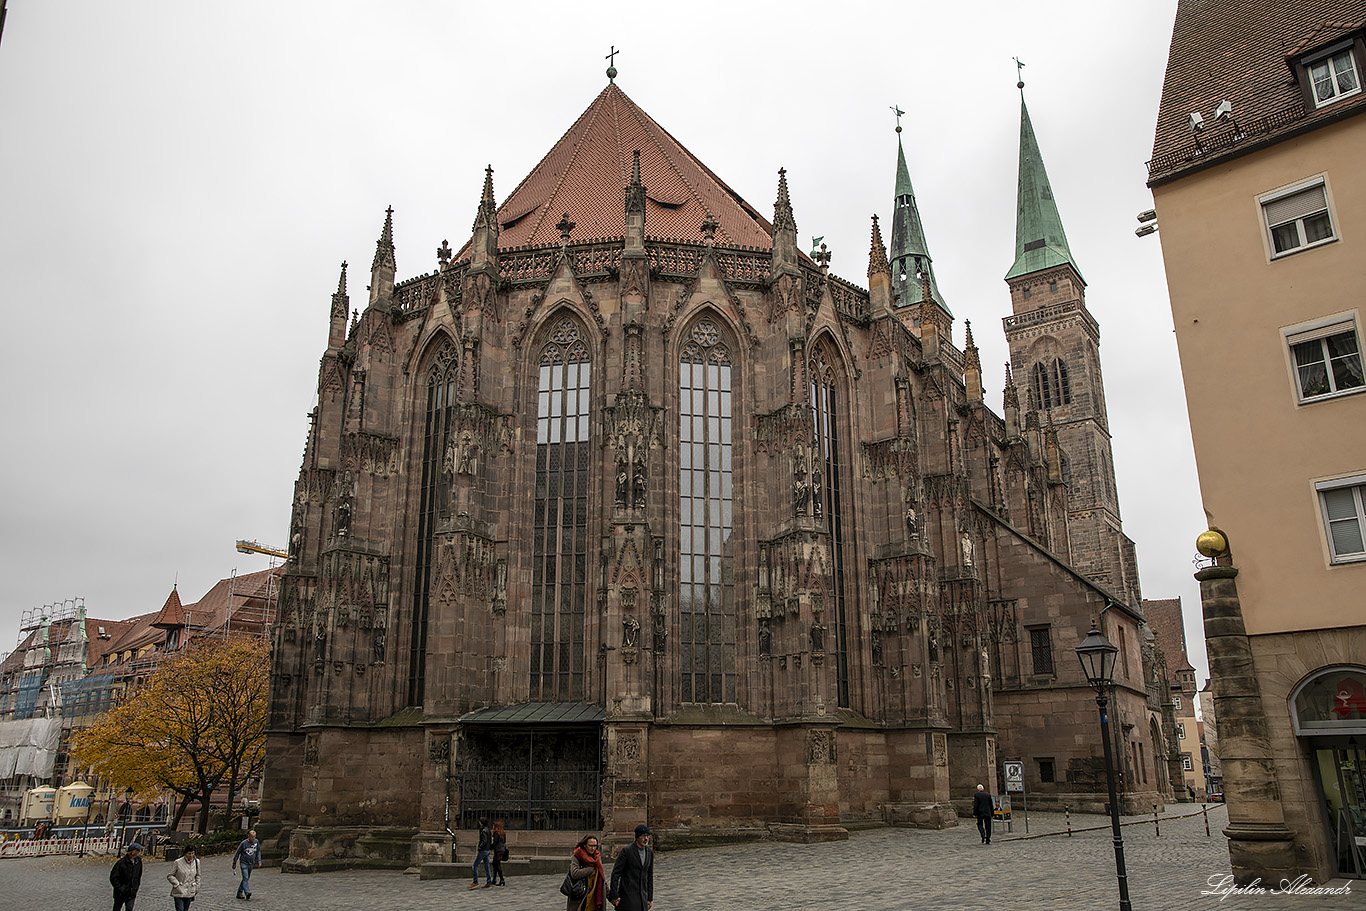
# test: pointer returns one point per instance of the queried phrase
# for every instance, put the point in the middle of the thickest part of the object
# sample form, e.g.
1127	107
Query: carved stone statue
817	637
801	494
630	632
661	630
623	485
344	517
379	646
638	486
466	459
765	640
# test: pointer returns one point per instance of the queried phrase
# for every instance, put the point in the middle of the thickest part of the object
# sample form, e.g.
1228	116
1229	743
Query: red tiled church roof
586	173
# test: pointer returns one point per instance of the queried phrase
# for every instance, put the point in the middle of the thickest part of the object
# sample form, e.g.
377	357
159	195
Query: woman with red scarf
586	863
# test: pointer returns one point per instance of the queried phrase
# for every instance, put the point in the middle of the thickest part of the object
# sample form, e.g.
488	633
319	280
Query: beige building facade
1261	200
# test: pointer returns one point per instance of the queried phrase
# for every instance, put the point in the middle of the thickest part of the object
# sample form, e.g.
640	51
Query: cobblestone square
875	870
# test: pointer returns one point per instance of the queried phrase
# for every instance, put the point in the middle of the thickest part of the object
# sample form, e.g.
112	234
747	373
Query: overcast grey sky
179	183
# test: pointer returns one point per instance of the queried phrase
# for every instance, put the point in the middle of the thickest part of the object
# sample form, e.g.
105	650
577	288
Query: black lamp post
1097	656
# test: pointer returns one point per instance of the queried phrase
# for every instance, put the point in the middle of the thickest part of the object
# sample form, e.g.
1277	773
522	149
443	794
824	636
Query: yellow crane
256	547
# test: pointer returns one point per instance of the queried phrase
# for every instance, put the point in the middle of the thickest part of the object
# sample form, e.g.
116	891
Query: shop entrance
1341	772
1329	712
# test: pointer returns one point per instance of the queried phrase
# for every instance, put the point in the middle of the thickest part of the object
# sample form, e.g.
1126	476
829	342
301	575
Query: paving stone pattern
875	870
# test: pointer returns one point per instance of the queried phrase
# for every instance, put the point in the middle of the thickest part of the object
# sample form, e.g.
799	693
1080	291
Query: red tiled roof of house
100	636
229	597
137	632
586	173
172	613
97	643
1237	50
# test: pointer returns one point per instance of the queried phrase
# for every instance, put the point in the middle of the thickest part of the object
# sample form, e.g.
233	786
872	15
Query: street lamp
1097	656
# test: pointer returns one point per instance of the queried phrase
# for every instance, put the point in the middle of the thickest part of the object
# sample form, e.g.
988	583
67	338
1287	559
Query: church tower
1054	346
912	266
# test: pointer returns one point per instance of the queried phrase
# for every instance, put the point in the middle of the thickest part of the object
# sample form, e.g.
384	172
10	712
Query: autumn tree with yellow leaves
198	725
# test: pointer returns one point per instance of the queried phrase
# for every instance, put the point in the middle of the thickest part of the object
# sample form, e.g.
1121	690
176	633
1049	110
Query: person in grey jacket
184	880
585	865
249	856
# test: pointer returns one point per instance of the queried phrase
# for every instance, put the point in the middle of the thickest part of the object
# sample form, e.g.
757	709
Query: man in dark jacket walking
982	809
126	876
633	875
485	849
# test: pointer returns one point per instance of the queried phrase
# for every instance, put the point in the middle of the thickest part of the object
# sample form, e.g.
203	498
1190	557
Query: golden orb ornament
1212	543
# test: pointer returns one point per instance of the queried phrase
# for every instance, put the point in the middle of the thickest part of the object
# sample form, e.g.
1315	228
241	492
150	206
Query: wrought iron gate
532	779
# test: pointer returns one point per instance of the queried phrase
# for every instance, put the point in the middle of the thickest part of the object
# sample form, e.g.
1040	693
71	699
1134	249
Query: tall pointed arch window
559	543
706	518
830	430
1052	387
443	377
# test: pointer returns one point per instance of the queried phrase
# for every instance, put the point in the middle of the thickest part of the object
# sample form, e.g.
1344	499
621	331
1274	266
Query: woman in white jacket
184	880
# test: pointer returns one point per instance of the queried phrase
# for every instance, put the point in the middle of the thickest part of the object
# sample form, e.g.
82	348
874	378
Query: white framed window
1298	218
1186	762
1343	503
1334	75
1176	701
1327	359
1180	730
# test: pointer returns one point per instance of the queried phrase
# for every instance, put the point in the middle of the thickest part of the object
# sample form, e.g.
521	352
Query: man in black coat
126	876
982	809
633	875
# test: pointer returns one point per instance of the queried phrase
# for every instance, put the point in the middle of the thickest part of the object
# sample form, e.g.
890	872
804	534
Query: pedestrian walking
982	809
126	876
248	857
485	849
500	852
184	880
633	875
585	866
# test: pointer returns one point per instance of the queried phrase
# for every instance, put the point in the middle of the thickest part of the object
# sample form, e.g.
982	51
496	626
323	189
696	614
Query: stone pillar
432	843
972	761
808	760
1260	846
626	781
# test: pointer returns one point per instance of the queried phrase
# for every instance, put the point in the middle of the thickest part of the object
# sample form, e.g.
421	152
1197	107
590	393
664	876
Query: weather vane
1019	73
612	64
898	112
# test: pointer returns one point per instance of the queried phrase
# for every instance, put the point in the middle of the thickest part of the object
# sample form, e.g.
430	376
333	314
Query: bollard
1206	811
1156	828
1068	811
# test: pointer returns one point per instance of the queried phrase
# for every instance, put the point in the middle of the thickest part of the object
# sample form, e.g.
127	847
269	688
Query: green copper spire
909	253
1039	239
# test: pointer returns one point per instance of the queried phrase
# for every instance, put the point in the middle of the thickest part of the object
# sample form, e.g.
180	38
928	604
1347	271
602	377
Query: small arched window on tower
1052	387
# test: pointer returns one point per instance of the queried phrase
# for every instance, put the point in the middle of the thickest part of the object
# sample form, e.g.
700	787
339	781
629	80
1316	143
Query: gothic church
633	512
